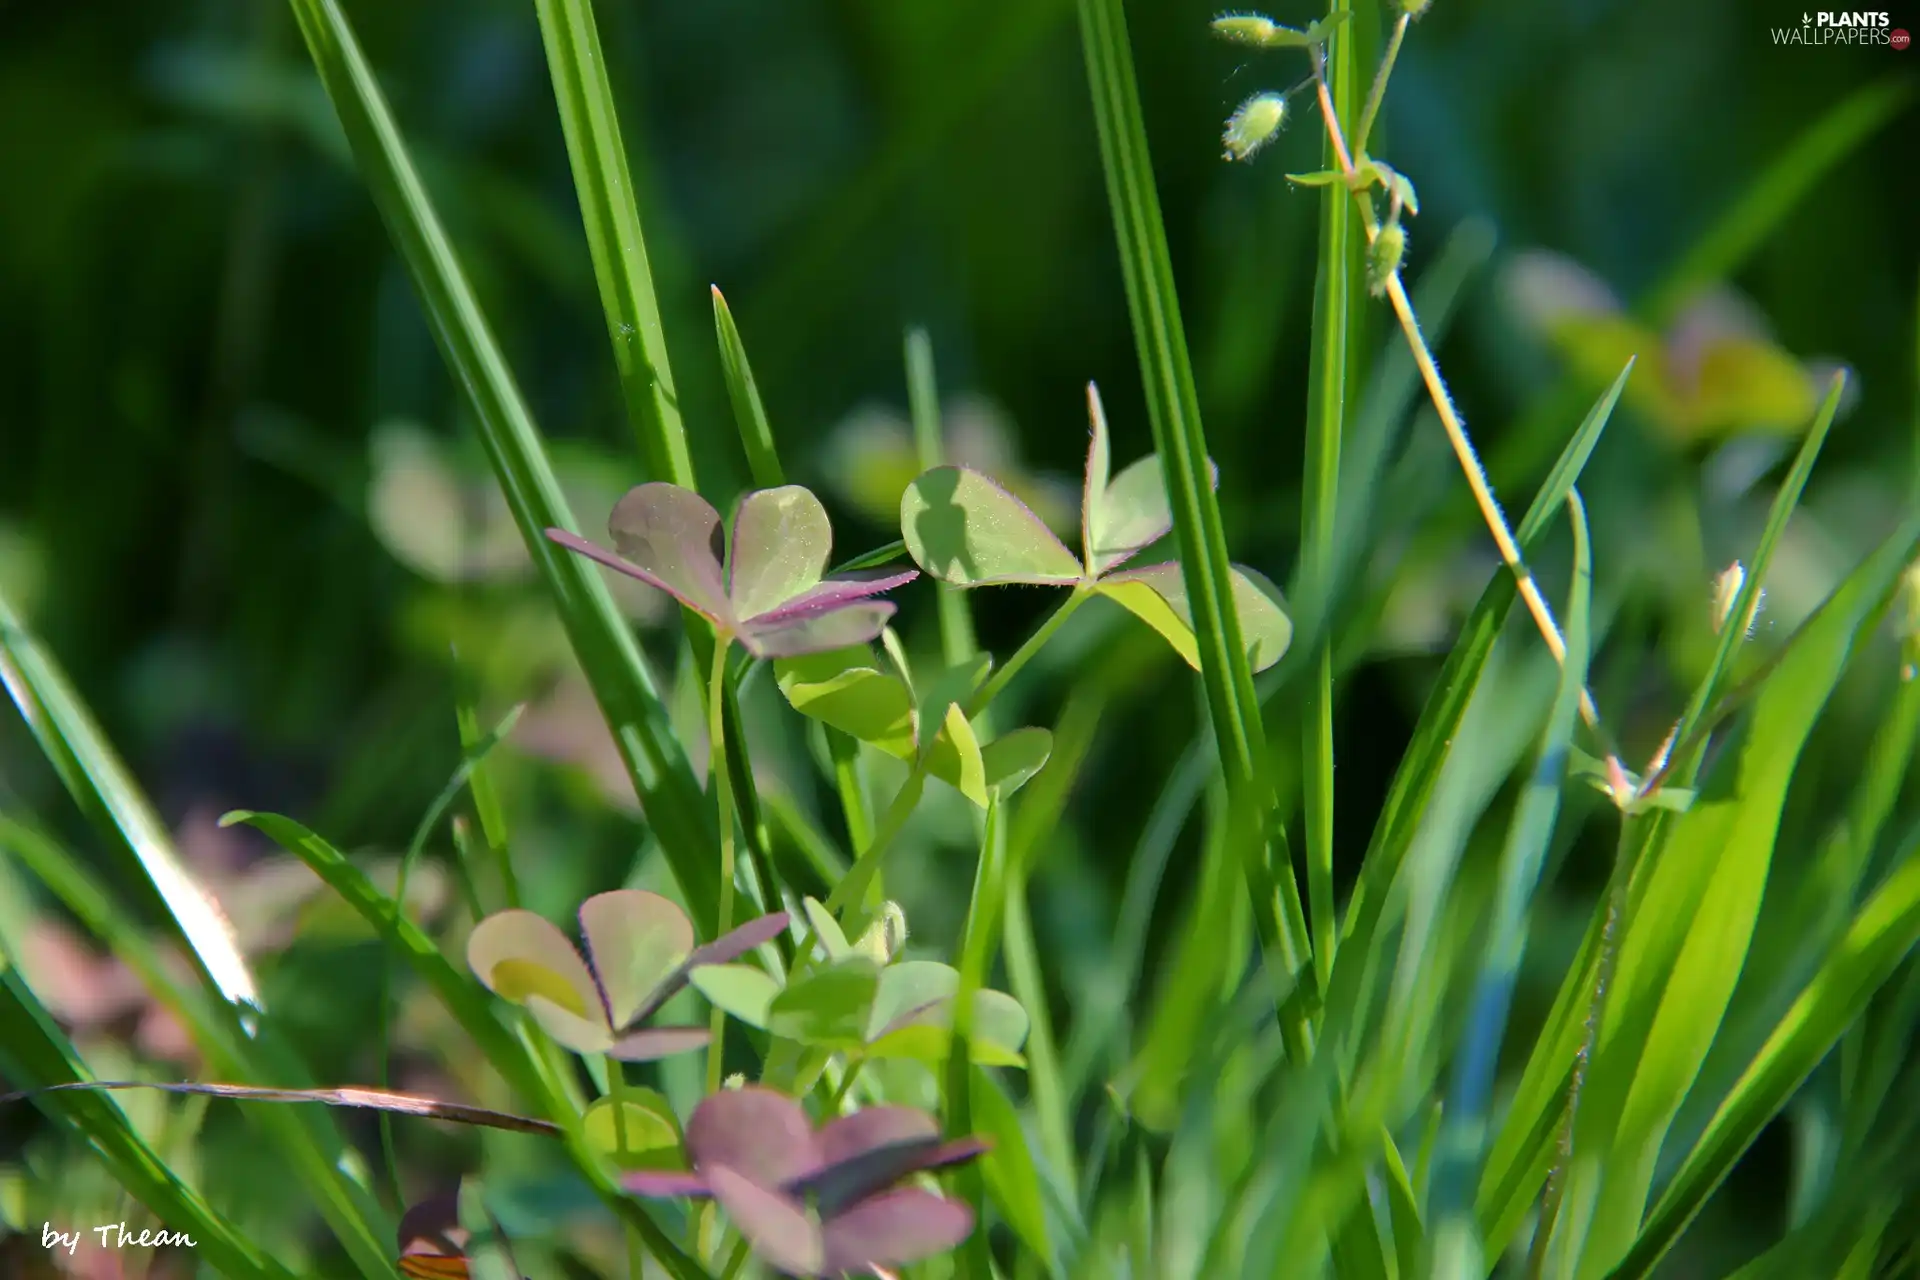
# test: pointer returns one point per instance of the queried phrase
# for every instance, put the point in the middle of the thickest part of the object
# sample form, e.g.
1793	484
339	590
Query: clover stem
1004	676
736	1260
617	1091
1377	94
723	800
841	1090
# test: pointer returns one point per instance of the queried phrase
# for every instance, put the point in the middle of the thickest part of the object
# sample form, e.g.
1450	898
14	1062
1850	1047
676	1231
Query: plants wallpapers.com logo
1844	28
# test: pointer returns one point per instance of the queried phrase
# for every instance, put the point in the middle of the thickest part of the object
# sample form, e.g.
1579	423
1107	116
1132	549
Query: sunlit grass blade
469	1004
1456	1244
310	1147
351	1097
107	794
34	1053
675	808
1433	735
1179	440
1883	933
605	188
749	415
1687	935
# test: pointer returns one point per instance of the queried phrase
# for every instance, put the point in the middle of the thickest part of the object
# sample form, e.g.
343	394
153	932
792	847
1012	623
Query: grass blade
1332	381
675	807
1886	928
107	793
1174	411
1456	1243
749	415
605	188
1686	938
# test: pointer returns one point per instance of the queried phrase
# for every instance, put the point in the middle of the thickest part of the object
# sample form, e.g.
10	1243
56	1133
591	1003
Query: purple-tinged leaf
672	535
431	1229
780	1231
519	954
600	555
654	1043
736	943
728	946
666	1184
846	1183
848	625
582	1035
780	546
834	593
894	1229
754	1131
871	1128
966	530
635	940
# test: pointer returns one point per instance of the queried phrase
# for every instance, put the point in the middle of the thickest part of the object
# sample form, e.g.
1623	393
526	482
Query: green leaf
963	528
1012	759
1157	595
33	1053
739	989
827	929
677	812
955	757
846	689
1688	934
1120	515
828	1007
637	1128
1319	178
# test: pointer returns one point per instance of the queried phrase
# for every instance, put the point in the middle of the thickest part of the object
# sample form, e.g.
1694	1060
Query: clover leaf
820	1202
768	589
967	531
849	690
642	953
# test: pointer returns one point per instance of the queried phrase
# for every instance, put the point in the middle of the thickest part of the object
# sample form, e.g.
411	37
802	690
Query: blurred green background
211	362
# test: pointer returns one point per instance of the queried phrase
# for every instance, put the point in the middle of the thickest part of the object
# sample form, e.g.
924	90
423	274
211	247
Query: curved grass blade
1884	931
107	793
33	1050
388	1100
1462	1134
676	810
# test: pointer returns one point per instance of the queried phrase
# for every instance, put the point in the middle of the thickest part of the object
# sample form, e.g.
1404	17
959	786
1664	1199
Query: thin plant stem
723	800
1456	430
1378	93
617	1091
1000	679
841	1090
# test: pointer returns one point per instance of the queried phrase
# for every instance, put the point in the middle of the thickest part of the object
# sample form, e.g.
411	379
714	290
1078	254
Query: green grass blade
1687	937
106	792
605	188
1462	1134
1332	382
1453	691
33	1054
676	810
1174	412
310	1145
749	415
1884	931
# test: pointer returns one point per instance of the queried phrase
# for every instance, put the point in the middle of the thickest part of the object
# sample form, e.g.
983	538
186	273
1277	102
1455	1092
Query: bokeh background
239	500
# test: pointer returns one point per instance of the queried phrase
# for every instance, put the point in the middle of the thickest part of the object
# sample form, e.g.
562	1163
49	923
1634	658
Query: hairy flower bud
884	937
1254	124
1414	8
1383	257
1246	28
